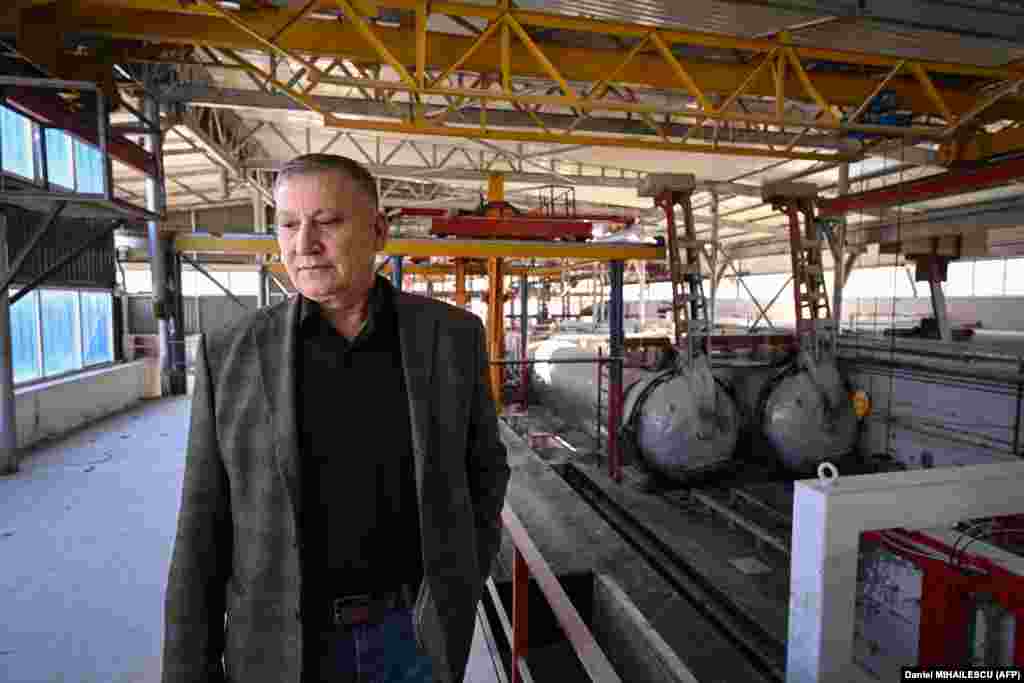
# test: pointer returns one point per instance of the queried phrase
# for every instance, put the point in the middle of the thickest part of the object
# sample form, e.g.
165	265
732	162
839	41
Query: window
1015	276
61	337
25	338
77	331
97	328
988	277
959	277
245	283
89	168
139	281
59	169
204	287
16	136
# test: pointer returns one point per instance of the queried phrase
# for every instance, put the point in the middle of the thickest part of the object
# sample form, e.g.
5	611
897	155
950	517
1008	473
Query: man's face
328	231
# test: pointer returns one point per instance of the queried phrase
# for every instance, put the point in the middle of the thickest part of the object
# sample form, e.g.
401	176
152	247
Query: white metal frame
828	519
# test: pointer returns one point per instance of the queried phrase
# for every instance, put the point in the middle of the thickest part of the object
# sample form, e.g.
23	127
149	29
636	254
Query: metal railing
527	562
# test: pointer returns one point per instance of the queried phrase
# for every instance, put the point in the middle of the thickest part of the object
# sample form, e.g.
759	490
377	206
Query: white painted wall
53	408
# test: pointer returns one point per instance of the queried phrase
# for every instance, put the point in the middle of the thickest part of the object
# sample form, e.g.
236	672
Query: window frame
36	296
69	140
81	332
30	142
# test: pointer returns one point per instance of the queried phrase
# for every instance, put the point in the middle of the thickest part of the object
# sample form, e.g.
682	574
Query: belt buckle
350	602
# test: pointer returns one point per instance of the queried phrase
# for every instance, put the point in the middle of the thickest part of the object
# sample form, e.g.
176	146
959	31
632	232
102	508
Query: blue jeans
384	652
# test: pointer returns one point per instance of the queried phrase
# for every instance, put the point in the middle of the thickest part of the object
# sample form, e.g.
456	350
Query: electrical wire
903	546
993	531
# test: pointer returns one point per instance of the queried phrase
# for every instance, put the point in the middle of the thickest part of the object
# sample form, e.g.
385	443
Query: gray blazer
237	545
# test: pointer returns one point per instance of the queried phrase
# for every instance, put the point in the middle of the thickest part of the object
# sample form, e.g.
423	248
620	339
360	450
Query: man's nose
307	240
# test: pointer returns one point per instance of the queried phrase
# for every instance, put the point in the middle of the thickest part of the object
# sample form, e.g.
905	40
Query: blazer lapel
417	336
277	342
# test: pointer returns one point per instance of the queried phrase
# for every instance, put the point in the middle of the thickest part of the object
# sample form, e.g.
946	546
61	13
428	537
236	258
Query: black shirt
360	523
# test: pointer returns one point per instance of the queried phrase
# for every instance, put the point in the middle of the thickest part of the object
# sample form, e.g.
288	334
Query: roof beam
239	98
221	155
965	220
941	185
172	22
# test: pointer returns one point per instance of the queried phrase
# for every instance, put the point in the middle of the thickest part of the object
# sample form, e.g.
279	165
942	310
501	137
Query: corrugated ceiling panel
910	43
700	15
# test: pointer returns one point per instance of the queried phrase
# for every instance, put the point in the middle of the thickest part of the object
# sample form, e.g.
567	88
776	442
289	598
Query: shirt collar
309	310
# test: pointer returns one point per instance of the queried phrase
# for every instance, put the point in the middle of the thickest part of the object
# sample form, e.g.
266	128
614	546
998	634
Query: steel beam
51	111
156	202
616	346
496	328
524	332
939	309
14	269
72	254
203	271
8	418
246	98
250	244
941	185
171	22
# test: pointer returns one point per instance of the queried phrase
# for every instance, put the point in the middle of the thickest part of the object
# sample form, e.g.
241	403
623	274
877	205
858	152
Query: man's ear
380	231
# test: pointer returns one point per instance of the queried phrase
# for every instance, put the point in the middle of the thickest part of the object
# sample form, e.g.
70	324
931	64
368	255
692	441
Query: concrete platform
573	538
86	531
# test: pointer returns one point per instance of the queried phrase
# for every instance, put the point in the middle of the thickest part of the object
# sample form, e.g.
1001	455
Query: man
344	477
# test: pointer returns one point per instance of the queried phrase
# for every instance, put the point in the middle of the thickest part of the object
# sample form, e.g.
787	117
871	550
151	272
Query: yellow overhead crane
600	251
422	64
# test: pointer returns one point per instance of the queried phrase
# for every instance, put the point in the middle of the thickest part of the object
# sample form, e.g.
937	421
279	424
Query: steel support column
839	260
641	267
8	423
939	308
712	259
496	328
524	331
396	272
155	202
177	376
617	343
259	211
461	299
215	281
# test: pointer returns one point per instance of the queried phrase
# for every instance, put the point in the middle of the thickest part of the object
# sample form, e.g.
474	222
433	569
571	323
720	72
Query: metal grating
94	267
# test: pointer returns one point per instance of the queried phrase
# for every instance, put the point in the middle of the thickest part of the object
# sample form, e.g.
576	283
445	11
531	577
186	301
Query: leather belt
368	608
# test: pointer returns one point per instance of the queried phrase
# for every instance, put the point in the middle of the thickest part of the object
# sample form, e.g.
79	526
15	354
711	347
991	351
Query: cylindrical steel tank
807	416
683	424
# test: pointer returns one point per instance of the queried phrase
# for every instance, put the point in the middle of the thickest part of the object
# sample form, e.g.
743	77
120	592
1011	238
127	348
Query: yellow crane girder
167	21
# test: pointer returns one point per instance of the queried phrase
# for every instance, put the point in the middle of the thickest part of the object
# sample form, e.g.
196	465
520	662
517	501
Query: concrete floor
86	532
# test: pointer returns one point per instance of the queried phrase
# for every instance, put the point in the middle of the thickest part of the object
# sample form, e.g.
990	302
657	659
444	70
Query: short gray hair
326	163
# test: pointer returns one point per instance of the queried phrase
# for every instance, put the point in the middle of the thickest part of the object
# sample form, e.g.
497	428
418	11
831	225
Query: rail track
764	650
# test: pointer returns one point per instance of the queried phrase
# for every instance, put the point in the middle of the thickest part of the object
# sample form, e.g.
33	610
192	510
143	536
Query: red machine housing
512	227
946	604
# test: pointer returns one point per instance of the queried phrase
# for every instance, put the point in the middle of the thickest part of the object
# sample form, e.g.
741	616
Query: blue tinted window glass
25	339
97	345
89	168
16	134
58	158
61	350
